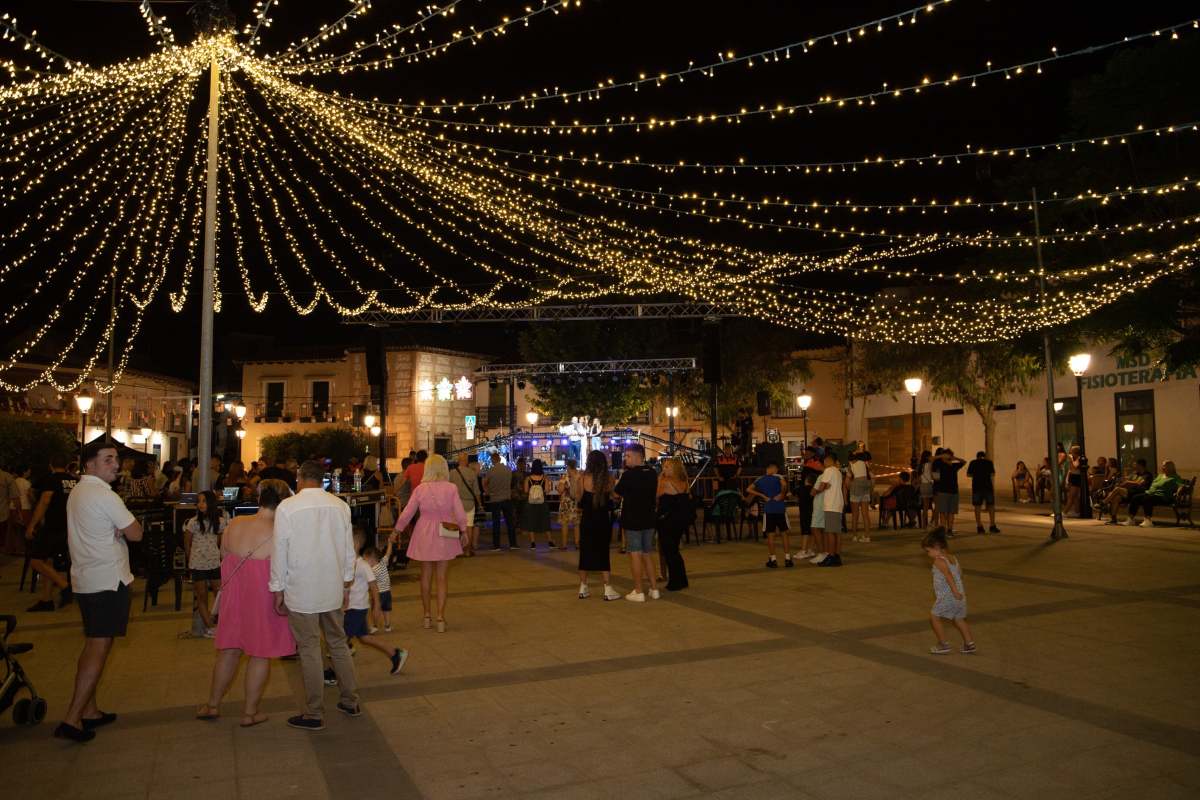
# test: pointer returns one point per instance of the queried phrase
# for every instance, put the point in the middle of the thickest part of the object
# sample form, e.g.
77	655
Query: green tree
613	401
336	443
24	441
754	357
976	376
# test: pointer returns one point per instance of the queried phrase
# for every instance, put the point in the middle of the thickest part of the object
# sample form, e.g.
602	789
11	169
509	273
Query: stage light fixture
521	384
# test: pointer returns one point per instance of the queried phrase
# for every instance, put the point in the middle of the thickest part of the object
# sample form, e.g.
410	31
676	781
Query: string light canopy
365	206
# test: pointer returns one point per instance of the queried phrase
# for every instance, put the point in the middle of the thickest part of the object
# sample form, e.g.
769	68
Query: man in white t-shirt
830	492
98	527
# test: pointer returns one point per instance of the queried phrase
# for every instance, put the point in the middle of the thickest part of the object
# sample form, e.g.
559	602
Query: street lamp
368	420
1079	364
913	385
672	414
240	410
83	401
804	401
532	418
1058	406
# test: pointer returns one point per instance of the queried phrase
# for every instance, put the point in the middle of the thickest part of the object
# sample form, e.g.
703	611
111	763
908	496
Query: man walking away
636	490
497	482
982	471
98	527
945	489
49	544
312	569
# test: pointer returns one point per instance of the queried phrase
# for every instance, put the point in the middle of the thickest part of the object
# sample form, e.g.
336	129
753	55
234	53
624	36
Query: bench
1183	503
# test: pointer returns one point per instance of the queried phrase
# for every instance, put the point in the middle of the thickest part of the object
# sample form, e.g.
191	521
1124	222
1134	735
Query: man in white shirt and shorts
98	527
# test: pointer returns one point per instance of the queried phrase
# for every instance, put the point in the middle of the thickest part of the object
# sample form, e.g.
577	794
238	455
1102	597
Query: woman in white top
202	544
860	495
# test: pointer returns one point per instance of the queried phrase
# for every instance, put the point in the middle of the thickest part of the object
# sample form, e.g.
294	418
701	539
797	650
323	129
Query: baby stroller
28	710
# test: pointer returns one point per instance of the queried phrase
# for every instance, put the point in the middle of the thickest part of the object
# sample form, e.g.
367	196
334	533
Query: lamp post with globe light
804	401
1079	364
913	385
83	401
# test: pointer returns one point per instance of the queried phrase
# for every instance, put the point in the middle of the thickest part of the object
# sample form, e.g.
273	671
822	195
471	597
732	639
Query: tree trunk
989	430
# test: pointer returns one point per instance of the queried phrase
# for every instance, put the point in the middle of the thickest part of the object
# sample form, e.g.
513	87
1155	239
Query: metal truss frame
545	313
566	368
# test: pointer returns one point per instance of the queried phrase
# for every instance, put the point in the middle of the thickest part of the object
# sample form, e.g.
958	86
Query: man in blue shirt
772	491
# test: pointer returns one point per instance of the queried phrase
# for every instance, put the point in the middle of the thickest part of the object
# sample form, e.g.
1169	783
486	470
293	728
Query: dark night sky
619	38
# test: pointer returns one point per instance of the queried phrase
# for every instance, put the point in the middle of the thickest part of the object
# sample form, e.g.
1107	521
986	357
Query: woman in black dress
594	502
675	512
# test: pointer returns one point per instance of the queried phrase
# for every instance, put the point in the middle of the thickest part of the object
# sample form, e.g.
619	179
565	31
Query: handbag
216	606
448	530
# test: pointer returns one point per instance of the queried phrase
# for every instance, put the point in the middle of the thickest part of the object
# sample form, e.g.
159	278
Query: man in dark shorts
945	488
98	527
48	548
770	489
637	491
981	471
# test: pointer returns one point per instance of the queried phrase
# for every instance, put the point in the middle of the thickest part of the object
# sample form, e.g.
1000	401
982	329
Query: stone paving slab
754	683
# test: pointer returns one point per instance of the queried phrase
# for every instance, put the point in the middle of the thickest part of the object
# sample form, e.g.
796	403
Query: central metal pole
915	458
671	413
1079	411
1058	531
204	434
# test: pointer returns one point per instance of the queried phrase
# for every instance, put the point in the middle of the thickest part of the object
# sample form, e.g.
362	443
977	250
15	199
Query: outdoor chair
1183	503
726	512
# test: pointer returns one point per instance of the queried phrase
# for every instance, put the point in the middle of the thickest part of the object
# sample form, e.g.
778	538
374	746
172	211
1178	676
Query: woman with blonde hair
437	538
675	513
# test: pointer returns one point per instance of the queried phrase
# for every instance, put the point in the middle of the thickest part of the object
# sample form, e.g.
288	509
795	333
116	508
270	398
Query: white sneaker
1147	523
210	633
655	594
387	628
636	597
584	594
1131	521
803	554
372	630
818	558
610	593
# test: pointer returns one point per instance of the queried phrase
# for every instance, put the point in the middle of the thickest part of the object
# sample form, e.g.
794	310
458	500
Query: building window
320	399
1135	428
1066	422
890	438
274	393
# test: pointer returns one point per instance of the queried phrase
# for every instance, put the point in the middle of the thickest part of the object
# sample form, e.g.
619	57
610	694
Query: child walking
381	612
950	599
363	593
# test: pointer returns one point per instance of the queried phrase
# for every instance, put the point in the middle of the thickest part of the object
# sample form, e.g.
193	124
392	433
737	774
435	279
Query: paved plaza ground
754	683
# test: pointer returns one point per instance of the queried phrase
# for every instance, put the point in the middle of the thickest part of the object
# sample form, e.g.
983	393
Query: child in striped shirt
382	613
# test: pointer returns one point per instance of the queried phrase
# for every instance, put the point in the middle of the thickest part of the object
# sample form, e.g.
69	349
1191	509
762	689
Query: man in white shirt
830	489
98	527
312	569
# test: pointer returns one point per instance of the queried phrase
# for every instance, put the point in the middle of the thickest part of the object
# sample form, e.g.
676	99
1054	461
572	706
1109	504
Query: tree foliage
976	376
754	357
614	402
336	443
33	443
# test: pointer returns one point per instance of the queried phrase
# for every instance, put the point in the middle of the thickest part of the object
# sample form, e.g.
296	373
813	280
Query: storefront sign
469	421
1134	372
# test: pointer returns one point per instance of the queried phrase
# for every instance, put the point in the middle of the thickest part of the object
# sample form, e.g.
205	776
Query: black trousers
1146	502
806	511
504	507
668	539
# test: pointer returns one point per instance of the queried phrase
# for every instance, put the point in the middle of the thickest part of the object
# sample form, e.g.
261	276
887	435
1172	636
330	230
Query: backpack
537	494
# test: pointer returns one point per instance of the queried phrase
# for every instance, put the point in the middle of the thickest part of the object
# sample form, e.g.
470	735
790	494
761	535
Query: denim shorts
640	541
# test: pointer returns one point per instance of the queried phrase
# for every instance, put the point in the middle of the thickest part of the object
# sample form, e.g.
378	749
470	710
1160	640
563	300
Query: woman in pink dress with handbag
438	536
247	622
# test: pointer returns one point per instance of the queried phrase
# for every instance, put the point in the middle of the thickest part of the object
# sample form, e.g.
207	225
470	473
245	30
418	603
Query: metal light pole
804	401
672	412
1058	530
1079	364
913	385
83	401
204	434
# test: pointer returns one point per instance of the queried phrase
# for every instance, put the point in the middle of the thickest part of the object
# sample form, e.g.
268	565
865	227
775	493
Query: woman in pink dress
247	622
438	536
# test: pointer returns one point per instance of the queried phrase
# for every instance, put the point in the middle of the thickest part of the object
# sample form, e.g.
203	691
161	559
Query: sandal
441	626
206	713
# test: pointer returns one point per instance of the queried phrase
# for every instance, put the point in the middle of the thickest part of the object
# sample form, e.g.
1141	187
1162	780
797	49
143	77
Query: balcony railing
302	408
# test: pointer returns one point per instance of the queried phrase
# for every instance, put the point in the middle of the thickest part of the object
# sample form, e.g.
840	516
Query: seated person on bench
1161	493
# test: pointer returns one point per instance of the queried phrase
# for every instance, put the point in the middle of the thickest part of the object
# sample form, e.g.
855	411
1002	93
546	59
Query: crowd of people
297	579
